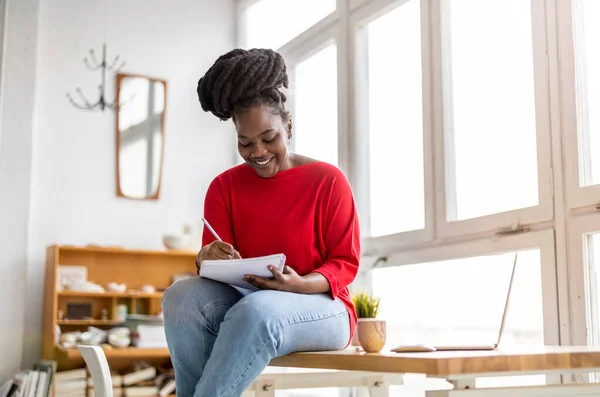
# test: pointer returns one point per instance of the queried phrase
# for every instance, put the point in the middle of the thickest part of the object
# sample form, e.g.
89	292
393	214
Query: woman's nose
258	152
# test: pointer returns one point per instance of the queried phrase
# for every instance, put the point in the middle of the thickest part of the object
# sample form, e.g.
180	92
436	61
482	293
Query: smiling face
263	140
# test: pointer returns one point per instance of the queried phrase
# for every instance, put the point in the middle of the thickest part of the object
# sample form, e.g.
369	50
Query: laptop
426	348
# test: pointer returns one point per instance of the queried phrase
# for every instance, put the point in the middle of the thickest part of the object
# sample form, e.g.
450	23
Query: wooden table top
513	359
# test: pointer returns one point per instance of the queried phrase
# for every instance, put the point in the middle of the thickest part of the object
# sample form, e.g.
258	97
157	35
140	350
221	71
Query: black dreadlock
241	79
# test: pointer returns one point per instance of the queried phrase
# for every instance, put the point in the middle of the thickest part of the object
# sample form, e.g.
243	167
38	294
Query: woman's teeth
263	162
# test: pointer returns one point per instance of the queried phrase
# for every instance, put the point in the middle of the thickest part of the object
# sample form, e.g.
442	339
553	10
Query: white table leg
466	384
463	384
264	388
378	386
566	390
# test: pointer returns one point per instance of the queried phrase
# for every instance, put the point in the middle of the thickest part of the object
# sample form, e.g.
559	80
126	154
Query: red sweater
307	213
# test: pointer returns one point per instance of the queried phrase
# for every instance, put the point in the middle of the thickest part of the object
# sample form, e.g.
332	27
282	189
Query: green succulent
366	305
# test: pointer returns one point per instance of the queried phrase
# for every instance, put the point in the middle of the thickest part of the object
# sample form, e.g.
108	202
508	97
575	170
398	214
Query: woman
276	202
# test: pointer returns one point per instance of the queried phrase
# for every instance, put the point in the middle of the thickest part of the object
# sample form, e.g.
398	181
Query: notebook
232	271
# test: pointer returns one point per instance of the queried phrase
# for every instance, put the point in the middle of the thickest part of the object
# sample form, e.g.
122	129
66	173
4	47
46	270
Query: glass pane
587	52
489	102
467	305
396	122
592	249
272	23
315	131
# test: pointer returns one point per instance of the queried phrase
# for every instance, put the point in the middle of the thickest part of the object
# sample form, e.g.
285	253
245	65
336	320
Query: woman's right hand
217	250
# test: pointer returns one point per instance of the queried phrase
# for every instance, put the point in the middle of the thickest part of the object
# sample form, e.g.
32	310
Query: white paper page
232	271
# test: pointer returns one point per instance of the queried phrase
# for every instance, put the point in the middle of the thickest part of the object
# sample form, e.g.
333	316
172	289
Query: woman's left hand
288	281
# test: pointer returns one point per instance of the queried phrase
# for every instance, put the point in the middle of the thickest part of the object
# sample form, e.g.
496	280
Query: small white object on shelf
177	241
87	286
68	275
119	340
117	287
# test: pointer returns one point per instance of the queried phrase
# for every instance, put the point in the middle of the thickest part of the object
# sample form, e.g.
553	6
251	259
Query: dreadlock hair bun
242	78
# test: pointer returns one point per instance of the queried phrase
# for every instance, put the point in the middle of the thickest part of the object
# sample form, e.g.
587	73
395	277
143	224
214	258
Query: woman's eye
270	140
244	144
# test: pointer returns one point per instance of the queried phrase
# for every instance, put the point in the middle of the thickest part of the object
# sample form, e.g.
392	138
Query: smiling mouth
263	162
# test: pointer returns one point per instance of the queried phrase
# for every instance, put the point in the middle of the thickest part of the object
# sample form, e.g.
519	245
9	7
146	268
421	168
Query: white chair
98	366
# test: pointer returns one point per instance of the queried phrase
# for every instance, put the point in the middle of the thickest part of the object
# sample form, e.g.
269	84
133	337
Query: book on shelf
43	380
140	391
117	392
147	331
139	376
140	382
71	383
117	380
31	382
73	374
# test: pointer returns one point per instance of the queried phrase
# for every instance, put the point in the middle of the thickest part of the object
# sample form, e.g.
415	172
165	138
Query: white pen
211	229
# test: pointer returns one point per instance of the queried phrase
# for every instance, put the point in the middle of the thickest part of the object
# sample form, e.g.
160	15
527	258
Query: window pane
315	129
272	23
396	122
461	302
592	262
592	249
587	52
490	106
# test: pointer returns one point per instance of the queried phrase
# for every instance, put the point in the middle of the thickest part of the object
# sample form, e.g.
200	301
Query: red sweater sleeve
218	214
341	235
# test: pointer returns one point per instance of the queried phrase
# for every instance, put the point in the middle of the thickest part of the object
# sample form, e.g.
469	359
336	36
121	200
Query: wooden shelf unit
112	354
134	268
110	294
92	322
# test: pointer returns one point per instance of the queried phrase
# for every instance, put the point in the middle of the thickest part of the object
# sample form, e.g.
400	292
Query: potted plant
371	331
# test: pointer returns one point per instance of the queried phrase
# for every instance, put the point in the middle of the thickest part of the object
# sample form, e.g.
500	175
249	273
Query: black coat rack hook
93	65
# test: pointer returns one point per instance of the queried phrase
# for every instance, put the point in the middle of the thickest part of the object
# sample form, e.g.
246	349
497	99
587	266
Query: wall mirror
140	135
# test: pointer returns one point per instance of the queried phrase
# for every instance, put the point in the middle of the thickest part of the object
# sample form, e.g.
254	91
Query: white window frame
577	196
359	19
302	48
304	37
444	176
584	305
555	226
542	240
240	27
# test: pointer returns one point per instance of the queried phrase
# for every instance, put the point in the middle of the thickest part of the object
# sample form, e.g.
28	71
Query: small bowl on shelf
177	241
119	340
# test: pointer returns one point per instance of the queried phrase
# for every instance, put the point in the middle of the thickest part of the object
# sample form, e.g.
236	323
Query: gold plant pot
371	334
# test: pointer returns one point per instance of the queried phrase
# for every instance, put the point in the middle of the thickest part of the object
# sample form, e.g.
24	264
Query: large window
395	122
588	63
470	130
273	23
462	301
489	101
315	106
585	240
580	48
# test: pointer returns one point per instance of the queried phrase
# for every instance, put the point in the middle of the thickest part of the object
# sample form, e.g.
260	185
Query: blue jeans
220	341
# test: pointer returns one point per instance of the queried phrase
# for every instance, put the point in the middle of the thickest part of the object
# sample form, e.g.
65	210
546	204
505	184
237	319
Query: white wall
73	198
18	87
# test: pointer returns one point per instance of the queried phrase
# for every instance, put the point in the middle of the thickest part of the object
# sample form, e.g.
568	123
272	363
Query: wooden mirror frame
122	102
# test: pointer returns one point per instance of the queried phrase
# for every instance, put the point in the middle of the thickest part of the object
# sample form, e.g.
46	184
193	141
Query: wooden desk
461	368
